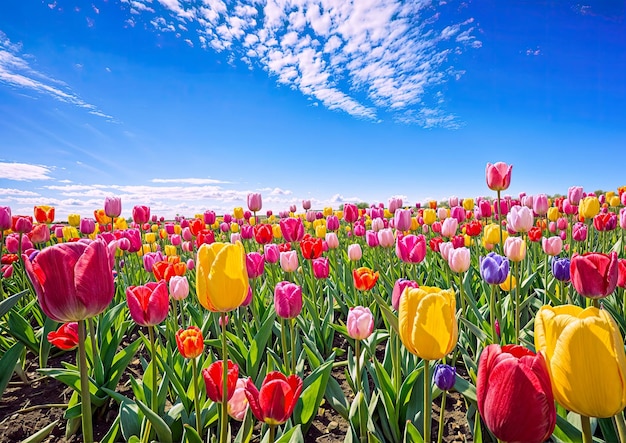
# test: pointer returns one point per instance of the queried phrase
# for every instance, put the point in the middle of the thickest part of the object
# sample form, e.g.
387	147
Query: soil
26	408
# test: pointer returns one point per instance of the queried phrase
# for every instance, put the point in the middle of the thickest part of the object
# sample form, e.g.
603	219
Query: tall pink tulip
411	248
402	219
575	194
332	240
287	299
515	248
552	245
148	304
112	206
141	214
5	218
355	252
498	176
271	253
520	219
449	227
386	238
255	202
73	281
540	204
350	212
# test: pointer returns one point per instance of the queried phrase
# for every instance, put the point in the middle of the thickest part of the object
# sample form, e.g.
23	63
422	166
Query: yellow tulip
584	351
234	227
387	214
553	213
252	221
609	195
430	216
70	232
177	229
589	207
468	204
510	282
339	214
271	218
221	276
319	222
467	241
170	250
491	234
74	219
327	211
427	322
149	237
238	212
276	231
320	231
415	223
614	200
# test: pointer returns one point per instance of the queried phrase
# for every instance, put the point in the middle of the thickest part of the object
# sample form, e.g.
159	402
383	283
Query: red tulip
514	394
73	281
276	400
498	176
364	278
148	304
66	337
263	233
214	380
44	214
164	270
311	247
350	212
594	274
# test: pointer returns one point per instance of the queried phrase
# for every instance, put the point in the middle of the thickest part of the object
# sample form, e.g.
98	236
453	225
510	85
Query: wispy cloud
534	52
191	181
16	71
24	171
368	58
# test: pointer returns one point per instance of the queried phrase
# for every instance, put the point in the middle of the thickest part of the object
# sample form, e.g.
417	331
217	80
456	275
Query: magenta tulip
350	212
411	248
255	264
292	229
148	304
141	214
398	288
287	299
594	274
321	267
498	176
112	206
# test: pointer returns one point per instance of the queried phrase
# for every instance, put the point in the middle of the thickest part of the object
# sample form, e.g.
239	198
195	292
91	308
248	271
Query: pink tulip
73	281
552	245
179	287
515	249
540	204
398	288
498	176
453	201
148	304
271	252
5	218
371	238
386	238
411	248
579	232
354	252
360	323
449	227
289	261
292	229
332	223
238	404
445	248
255	202
459	213
141	214
255	264
235	237
575	194
112	206
394	204
191	264
321	267
561	224
40	234
622	216
402	219
306	205
459	259
209	217
287	299
350	212
332	241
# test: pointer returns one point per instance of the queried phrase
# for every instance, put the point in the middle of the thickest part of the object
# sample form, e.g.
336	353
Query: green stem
397	370
500	224
292	331
427	400
92	337
461	295
621	426
196	400
517	313
85	396
283	339
224	417
492	313
357	355
272	434
155	385
441	416
586	425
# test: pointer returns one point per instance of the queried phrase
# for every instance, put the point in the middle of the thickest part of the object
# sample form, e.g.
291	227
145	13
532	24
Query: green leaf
565	431
258	345
411	434
388	313
9	302
130	420
42	434
113	433
163	431
314	387
190	435
466	388
44	347
7	364
294	435
23	331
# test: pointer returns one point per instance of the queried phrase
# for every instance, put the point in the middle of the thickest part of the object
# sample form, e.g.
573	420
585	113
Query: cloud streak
24	171
16	72
368	58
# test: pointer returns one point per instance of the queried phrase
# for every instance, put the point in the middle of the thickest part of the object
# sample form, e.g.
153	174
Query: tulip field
246	326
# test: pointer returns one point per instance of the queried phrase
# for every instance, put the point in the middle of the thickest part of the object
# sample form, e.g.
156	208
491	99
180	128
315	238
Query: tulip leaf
479	333
190	435
7	364
9	302
21	330
41	435
466	388
411	434
163	431
245	431
565	431
113	433
294	435
258	345
313	389
44	347
391	318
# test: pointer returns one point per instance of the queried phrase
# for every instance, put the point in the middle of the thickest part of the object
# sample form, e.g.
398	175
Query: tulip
498	176
459	259
221	276
509	283
444	377
87	226
364	278
350	212
73	281
44	214
289	261
21	224
209	217
141	214
520	219
515	249
306	205
445	248
254	202
255	264
165	270
292	229
427	323
287	299
238	403
179	287
484	208
332	241
271	253
214	380
430	216
386	238
332	223
591	383
540	204
190	342
621	273
5	218
514	394
354	252
575	194
263	233
411	248
371	238
321	268
275	401
492	233
311	247
589	207
561	268
458	213
468	204
449	227
148	304
552	245
494	268
594	274
113	206
360	323
622	217
398	289
402	219
66	337
579	232
395	203
40	234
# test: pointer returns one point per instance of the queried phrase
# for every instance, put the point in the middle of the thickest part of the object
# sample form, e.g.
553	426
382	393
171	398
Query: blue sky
188	105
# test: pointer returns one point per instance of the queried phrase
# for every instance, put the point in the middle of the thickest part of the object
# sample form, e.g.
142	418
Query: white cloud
191	181
363	57
16	72
24	171
17	192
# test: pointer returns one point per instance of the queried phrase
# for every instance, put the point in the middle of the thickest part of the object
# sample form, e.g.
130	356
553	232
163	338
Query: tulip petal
272	398
228	279
95	286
